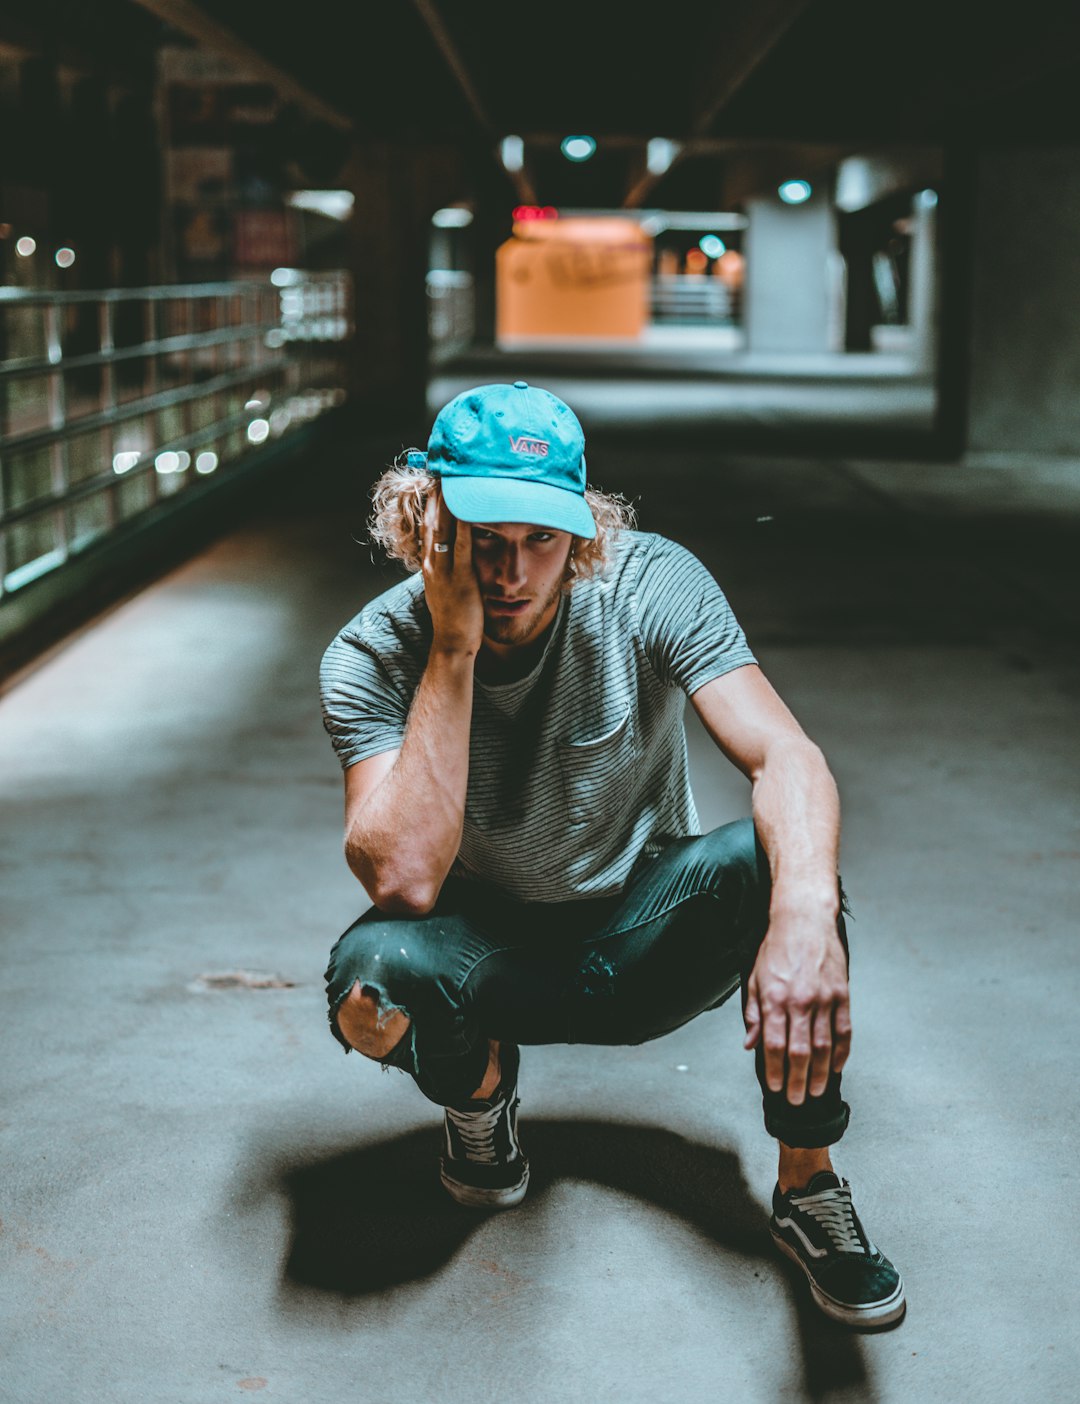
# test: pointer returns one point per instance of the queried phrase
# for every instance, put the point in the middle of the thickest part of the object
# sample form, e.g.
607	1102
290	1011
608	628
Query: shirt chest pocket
598	771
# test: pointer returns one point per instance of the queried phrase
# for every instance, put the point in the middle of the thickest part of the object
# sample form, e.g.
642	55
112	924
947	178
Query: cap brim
514	500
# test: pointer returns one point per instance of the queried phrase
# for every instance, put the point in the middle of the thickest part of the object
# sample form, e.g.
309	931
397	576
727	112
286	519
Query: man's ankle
488	1087
799	1165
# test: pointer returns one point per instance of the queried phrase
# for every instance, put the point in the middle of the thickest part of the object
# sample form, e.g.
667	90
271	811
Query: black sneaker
483	1166
850	1279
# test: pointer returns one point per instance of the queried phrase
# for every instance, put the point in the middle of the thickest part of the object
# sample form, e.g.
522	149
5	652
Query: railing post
3	529
151	377
57	403
107	345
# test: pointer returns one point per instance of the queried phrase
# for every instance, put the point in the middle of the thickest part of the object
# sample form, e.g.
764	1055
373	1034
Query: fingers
821	1051
775	1042
437	531
462	547
841	1032
798	1051
799	1015
752	1017
801	1047
427	526
445	522
818	1044
450	539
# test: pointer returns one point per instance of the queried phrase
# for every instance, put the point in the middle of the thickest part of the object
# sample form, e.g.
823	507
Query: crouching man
518	809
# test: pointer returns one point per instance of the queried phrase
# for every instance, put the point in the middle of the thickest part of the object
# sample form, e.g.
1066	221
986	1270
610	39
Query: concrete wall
1025	362
791	284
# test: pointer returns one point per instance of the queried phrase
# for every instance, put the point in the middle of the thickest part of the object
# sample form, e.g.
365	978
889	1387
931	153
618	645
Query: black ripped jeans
679	939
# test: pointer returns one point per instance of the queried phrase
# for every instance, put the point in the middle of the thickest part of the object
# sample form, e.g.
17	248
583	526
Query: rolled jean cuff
804	1134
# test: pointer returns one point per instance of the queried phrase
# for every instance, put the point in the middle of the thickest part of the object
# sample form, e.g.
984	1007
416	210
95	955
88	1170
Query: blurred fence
696	299
112	402
451	312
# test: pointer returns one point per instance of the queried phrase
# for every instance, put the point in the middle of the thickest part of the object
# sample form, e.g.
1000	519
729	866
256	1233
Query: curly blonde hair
400	496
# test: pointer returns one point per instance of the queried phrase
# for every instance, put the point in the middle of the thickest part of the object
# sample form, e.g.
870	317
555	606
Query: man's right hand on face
451	588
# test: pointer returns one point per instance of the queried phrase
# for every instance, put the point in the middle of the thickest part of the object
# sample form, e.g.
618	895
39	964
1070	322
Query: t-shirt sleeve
363	712
686	626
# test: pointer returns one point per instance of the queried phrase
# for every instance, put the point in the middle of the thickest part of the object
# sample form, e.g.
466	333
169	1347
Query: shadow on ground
368	1220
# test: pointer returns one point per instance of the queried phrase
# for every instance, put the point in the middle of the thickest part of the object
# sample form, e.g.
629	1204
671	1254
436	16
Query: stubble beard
504	629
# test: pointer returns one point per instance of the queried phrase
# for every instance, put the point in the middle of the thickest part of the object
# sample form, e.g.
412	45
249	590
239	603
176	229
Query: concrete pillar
922	294
492	226
84	218
133	188
1025	325
397	187
791	286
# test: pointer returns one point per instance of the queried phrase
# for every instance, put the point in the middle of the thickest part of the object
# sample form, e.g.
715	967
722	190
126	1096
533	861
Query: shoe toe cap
860	1280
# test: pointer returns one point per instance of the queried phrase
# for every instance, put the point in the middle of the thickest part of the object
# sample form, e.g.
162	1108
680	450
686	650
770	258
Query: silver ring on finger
440	547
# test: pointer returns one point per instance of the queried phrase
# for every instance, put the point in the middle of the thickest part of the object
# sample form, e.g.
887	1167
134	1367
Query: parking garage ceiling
841	74
822	70
724	77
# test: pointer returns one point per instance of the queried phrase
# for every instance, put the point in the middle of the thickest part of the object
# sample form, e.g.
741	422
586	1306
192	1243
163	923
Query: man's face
520	570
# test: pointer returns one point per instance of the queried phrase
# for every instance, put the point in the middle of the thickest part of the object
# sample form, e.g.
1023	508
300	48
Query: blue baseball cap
512	453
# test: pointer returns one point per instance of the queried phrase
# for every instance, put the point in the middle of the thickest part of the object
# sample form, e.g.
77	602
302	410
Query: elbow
389	891
399	897
401	901
395	888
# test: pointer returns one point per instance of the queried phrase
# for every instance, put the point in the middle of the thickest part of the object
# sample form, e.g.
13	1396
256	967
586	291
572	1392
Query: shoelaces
833	1210
477	1132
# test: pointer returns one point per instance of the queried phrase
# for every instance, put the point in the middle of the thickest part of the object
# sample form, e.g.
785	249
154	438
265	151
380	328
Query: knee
368	1024
747	848
735	851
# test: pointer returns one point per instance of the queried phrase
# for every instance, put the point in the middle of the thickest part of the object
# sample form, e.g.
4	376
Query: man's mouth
500	606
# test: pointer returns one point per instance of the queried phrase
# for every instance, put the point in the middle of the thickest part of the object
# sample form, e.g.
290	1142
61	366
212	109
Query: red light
523	213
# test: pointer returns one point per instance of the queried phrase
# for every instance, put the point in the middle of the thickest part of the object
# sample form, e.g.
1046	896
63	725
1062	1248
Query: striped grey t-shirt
579	767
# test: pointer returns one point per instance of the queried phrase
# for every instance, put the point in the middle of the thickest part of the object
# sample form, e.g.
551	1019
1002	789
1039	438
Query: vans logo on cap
523	444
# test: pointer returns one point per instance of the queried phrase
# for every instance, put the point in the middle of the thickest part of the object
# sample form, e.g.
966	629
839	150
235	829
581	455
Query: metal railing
112	401
451	311
692	298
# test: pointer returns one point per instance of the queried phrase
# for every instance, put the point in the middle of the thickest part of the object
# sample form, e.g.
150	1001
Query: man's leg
684	938
447	997
375	1033
394	987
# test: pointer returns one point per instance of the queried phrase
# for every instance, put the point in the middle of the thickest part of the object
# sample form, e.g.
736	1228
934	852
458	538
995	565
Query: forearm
402	841
797	814
798	1005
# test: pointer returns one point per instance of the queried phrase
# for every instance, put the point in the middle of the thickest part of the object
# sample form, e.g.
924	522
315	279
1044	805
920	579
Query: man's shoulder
390	625
636	552
631	562
626	553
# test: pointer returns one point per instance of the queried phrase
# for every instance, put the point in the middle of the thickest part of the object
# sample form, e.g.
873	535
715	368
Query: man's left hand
798	1005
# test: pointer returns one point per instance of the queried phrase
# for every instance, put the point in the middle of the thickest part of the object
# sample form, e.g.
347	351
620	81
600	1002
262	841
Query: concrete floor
201	1198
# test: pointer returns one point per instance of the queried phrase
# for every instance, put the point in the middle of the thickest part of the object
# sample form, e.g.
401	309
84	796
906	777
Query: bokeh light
578	148
795	192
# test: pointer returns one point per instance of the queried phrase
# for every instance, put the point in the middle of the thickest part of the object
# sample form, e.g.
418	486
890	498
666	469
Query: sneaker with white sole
851	1280
483	1165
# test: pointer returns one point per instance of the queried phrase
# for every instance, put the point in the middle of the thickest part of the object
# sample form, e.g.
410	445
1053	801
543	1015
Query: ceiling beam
456	64
747	42
190	19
